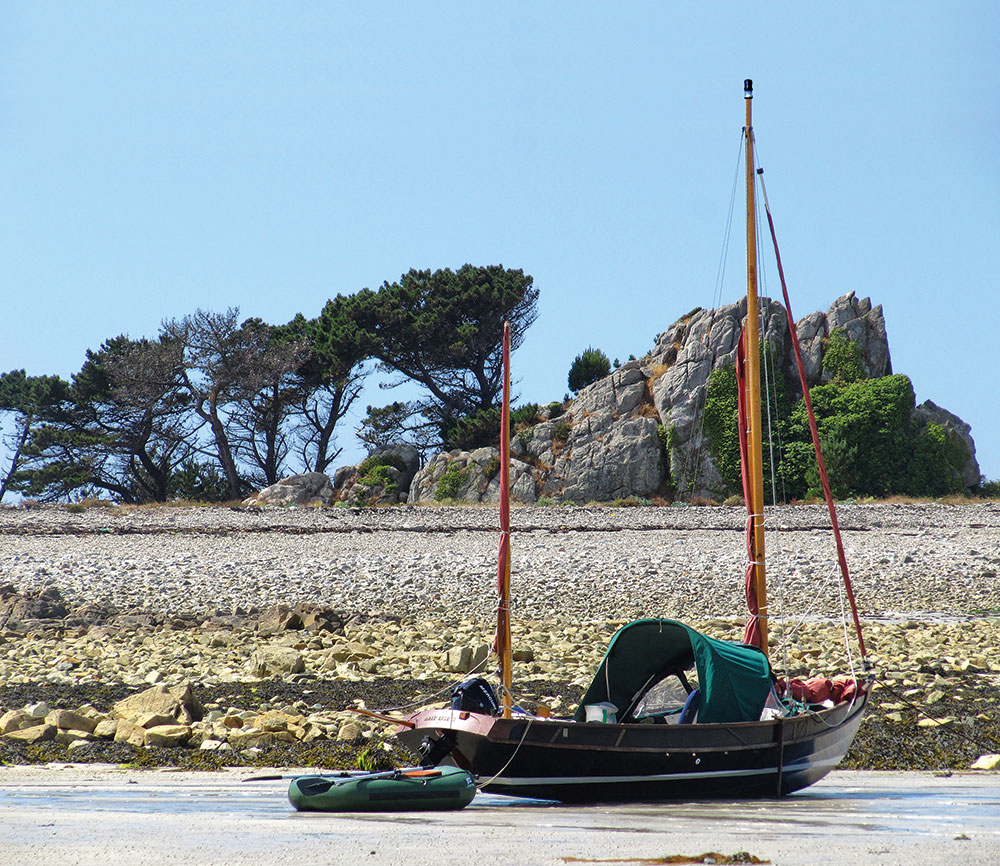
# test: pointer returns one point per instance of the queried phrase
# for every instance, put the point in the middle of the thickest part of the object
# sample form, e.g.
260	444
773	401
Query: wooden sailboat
682	715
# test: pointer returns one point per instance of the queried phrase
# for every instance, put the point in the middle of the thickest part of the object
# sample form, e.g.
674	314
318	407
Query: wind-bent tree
260	420
225	367
119	428
137	385
30	399
329	378
444	330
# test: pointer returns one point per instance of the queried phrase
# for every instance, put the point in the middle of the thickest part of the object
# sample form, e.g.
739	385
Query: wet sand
79	815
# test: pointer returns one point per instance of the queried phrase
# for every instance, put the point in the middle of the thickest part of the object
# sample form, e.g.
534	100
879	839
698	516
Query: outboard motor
432	752
474	695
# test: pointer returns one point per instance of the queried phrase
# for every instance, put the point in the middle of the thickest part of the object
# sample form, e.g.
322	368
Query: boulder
465	659
68	736
275	661
178	702
310	488
153	720
16	720
67	720
472	476
251	738
638	432
986	762
31	605
312	617
128	732
384	477
35	734
106	729
349	731
167	735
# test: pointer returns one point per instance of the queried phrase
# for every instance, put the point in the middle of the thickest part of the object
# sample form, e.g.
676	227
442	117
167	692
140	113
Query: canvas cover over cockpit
734	678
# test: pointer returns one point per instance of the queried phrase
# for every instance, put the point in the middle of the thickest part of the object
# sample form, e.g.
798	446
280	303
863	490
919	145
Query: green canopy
734	678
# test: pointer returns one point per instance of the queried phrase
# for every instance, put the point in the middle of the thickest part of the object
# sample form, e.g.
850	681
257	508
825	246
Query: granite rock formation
638	432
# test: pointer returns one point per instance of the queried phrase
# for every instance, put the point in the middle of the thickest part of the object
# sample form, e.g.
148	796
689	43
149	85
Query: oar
353	775
406	723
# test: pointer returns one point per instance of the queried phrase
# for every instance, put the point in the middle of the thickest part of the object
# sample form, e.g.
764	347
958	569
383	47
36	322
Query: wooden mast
503	643
752	331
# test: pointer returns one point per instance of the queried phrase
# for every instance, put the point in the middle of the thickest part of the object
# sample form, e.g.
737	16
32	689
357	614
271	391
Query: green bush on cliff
871	447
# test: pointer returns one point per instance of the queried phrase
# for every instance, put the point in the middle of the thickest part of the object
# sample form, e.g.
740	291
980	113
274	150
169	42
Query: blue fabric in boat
689	712
734	678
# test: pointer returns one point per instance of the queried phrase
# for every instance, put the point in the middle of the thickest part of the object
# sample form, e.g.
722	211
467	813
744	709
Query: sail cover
734	678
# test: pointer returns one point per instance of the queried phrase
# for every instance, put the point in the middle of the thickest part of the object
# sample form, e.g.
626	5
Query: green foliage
374	462
197	481
719	421
374	471
450	483
561	432
525	416
870	446
385	425
588	367
444	330
719	424
373	759
989	489
864	430
476	431
843	360
328	376
30	399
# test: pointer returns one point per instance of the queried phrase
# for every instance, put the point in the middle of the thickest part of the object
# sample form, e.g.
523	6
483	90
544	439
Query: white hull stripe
532	781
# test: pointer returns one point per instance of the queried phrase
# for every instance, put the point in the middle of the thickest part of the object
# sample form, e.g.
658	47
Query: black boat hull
592	762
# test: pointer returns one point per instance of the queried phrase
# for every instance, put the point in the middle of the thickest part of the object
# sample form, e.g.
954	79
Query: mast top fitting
748	88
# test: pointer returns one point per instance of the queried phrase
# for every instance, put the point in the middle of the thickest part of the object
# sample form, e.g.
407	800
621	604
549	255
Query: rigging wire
696	454
728	233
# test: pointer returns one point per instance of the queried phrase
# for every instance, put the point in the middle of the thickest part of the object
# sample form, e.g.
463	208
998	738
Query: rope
824	480
527	727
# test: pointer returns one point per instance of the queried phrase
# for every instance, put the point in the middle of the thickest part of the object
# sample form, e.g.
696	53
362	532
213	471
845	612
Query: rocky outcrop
689	350
471	476
305	615
34	604
604	447
638	432
958	432
310	488
382	478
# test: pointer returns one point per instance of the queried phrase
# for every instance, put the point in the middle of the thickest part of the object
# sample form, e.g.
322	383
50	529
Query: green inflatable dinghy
393	791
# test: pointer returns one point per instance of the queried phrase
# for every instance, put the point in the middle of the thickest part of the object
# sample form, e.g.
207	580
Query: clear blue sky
163	157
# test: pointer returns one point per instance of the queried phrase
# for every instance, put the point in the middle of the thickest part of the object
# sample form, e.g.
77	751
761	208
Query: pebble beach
171	596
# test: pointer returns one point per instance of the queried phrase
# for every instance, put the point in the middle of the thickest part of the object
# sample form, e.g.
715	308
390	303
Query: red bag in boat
820	689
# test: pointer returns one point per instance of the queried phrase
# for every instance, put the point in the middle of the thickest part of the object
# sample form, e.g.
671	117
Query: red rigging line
821	465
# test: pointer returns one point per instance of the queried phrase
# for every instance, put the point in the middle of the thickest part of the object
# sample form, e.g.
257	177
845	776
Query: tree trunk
21	439
225	452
